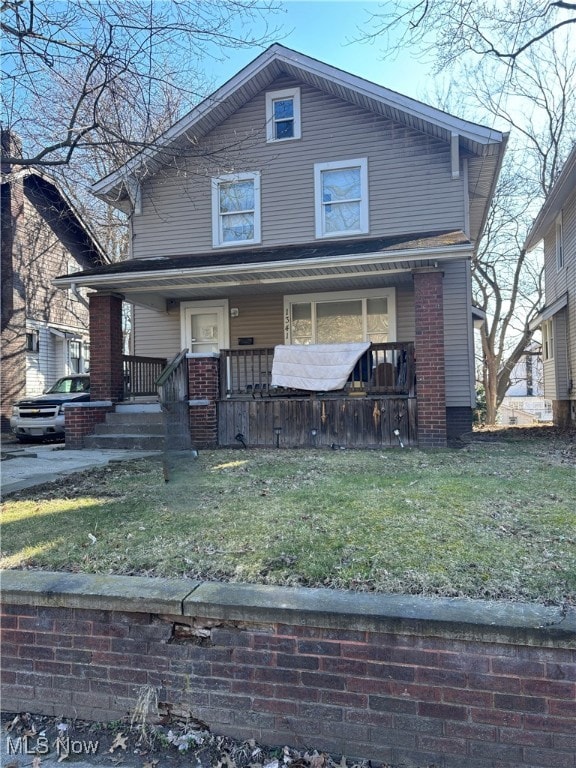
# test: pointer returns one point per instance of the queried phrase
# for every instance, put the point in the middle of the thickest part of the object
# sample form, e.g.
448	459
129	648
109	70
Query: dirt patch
168	743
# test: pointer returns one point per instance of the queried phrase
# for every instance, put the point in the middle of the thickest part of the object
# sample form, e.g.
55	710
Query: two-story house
44	330
555	225
306	236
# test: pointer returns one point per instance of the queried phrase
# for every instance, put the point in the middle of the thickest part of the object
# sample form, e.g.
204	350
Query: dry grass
495	519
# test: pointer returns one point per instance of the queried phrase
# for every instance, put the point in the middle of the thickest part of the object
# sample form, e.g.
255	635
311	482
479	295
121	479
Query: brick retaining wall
400	680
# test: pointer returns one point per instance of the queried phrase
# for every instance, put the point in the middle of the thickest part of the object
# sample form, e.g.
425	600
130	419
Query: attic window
283	115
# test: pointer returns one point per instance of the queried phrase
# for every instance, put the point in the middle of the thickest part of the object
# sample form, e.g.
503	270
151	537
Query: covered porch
395	396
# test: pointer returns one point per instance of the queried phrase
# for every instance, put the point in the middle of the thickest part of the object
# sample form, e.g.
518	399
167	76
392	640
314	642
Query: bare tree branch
446	30
104	48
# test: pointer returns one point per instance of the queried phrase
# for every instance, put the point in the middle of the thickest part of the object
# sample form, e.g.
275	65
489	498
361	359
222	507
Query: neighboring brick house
44	329
297	208
555	225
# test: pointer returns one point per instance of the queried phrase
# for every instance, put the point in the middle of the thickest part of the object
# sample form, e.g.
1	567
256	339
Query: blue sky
325	29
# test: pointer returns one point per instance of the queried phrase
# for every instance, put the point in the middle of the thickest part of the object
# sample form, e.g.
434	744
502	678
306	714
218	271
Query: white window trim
559	242
216	219
548	340
319	298
361	163
271	97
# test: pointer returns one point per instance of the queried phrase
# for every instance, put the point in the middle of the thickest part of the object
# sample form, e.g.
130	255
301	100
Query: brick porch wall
395	679
80	420
106	377
204	391
430	358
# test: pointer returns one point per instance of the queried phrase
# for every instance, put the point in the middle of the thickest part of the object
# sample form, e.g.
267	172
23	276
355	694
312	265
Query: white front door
205	326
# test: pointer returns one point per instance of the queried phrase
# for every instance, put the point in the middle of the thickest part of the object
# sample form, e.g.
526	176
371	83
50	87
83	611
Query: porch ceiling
295	269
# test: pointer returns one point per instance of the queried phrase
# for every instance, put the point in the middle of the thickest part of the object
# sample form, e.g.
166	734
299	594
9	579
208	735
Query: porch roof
324	266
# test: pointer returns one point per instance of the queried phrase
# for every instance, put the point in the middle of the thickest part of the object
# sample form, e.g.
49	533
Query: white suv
43	416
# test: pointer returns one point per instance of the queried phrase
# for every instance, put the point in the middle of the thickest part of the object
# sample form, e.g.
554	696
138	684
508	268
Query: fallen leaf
120	742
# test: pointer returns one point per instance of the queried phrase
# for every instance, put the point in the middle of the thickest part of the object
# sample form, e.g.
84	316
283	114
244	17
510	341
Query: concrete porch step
132	426
119	418
125	441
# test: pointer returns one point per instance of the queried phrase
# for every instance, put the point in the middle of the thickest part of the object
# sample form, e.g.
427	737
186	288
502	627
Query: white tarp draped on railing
315	367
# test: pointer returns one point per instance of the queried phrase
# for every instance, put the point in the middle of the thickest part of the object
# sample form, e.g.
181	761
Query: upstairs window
341	192
283	115
559	243
236	209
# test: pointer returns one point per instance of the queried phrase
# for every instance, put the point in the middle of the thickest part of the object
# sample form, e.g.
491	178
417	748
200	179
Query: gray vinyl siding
549	367
569	225
561	365
405	317
259	317
410	184
458	335
557	280
559	372
156	334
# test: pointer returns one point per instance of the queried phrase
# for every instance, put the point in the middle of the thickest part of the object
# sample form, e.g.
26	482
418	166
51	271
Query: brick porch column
204	392
430	358
106	377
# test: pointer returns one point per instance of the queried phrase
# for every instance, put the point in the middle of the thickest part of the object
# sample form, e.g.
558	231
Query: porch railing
172	384
385	369
140	375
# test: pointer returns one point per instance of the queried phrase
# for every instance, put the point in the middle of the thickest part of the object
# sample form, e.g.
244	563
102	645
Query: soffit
268	67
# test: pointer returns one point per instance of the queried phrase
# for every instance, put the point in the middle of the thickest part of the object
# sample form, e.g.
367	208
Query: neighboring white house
556	226
525	402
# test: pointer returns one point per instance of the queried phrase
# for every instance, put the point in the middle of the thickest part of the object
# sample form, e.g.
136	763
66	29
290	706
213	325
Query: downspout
78	295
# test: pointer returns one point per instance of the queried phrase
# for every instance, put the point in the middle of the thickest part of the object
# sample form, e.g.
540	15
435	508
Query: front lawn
493	520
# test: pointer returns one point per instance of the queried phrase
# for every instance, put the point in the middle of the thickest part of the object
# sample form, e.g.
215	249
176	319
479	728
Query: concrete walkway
26	465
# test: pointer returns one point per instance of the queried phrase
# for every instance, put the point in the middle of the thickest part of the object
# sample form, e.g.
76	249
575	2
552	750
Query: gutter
447	253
